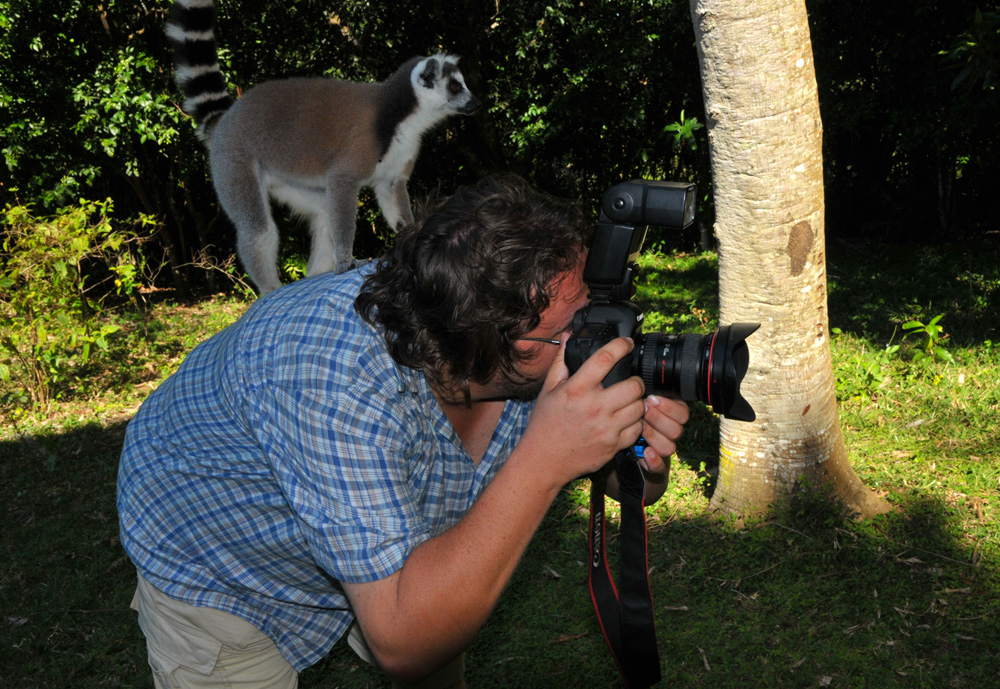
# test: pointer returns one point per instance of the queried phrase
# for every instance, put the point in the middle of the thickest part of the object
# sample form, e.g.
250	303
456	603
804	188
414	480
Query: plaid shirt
287	454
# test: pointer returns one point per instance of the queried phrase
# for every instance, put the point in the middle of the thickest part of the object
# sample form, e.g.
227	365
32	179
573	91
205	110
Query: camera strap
625	614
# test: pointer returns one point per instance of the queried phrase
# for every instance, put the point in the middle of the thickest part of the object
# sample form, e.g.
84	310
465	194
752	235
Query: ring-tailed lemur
311	143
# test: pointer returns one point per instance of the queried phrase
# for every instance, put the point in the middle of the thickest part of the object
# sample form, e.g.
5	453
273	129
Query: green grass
796	598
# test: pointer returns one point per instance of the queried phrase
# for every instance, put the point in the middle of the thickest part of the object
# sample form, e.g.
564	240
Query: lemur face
442	81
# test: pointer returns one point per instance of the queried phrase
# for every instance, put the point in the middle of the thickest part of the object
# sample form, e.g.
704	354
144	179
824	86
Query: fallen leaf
563	638
864	625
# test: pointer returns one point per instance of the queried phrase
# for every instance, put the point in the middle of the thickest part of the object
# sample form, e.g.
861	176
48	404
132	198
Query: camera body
706	368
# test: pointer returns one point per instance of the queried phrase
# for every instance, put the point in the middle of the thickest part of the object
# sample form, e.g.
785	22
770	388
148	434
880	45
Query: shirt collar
408	379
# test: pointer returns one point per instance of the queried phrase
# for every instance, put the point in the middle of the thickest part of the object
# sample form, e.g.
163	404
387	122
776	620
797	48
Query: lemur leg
333	232
244	198
394	200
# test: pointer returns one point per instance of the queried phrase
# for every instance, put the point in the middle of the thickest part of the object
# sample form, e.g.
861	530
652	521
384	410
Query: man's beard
523	390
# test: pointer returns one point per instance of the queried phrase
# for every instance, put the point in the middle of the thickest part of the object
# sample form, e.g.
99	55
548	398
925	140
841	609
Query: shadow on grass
797	600
875	290
65	583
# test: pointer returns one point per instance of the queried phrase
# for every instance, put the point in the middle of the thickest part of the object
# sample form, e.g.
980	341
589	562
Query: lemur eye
454	87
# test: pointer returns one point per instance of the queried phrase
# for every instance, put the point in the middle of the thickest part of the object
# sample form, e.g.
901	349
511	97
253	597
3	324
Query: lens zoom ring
650	357
690	353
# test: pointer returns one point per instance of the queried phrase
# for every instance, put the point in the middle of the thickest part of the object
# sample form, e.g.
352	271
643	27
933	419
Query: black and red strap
625	616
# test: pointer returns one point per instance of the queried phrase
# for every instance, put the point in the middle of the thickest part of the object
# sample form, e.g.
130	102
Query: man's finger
600	363
557	371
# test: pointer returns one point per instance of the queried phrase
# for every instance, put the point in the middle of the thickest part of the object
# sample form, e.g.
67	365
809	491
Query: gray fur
311	143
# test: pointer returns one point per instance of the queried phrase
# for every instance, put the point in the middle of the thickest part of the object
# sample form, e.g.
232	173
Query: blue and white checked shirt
289	452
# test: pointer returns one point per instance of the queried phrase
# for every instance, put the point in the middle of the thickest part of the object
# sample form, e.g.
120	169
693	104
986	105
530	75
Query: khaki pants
191	647
201	648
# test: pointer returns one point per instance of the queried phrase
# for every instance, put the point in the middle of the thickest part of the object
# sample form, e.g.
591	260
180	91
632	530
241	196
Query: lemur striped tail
191	33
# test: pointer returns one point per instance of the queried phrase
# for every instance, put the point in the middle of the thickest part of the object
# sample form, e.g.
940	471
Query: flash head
650	202
626	210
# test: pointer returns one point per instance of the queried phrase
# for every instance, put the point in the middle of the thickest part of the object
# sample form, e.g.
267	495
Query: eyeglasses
539	339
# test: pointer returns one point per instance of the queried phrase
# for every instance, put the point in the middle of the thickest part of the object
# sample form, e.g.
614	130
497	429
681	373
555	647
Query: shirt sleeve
341	460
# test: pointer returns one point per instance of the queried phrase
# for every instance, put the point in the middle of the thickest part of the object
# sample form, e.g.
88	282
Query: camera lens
703	368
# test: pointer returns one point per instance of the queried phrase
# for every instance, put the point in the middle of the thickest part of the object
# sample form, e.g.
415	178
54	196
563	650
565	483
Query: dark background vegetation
578	96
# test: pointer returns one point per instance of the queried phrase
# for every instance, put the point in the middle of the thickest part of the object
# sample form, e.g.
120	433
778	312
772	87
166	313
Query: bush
55	276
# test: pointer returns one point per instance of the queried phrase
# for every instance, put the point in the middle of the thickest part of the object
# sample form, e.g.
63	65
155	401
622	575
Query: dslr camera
693	367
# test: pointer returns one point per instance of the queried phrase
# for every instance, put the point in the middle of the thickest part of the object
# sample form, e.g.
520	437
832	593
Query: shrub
55	276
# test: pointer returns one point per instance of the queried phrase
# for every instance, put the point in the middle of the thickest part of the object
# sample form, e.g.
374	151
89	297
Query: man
375	448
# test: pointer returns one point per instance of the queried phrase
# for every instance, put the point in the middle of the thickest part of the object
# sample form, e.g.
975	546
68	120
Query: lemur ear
429	75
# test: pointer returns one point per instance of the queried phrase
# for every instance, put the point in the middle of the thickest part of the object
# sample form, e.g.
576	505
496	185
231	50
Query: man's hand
663	425
577	424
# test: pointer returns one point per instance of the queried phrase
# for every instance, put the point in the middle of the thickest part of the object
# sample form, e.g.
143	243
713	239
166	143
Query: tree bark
765	138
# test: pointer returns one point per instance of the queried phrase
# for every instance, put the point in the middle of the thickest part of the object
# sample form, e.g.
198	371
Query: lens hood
728	360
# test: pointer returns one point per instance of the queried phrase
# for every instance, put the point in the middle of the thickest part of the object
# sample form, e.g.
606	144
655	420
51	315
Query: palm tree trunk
765	136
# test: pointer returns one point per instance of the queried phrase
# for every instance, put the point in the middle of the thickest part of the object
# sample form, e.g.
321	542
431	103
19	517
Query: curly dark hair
472	274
